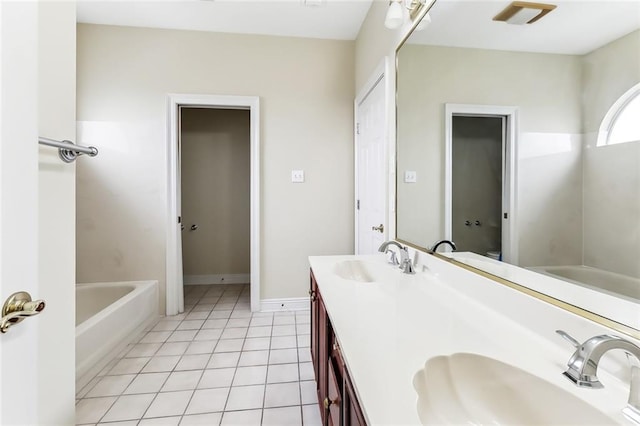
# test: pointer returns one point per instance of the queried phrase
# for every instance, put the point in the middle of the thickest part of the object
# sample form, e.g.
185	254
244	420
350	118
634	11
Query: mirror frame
592	316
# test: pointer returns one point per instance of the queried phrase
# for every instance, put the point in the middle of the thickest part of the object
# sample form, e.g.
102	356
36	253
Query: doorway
480	180
477	184
174	260
215	204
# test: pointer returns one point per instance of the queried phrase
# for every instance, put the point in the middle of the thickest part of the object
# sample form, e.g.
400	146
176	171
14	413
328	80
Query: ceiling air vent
523	12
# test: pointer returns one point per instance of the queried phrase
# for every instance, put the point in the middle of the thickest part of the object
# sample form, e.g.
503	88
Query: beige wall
611	173
56	104
306	91
545	88
608	72
373	43
215	154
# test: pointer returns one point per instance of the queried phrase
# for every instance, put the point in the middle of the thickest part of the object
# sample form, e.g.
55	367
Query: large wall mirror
521	143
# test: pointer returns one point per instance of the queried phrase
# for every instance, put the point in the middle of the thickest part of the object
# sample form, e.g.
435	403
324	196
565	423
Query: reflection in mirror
499	144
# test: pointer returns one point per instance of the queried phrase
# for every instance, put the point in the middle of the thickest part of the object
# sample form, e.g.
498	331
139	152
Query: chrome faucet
439	243
384	248
405	262
583	366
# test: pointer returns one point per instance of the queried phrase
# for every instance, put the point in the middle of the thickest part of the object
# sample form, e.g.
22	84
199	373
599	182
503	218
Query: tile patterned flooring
215	364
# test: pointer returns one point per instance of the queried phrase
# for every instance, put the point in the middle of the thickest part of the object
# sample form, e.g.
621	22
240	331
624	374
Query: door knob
194	227
380	228
18	307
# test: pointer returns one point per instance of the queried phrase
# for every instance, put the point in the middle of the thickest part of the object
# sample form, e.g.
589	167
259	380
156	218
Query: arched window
622	122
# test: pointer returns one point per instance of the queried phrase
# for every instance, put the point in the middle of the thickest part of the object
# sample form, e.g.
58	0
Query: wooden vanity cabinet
338	402
352	413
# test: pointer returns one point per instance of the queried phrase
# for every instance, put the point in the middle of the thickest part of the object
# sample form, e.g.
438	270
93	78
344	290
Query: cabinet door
323	357
313	294
333	401
351	408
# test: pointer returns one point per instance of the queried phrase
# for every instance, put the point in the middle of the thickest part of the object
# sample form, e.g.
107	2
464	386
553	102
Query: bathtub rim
138	287
549	271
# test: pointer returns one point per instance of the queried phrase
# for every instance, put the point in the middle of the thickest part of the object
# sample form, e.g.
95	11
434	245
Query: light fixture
523	12
396	16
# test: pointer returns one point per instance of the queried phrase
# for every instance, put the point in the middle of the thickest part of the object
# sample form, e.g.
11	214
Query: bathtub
596	279
108	317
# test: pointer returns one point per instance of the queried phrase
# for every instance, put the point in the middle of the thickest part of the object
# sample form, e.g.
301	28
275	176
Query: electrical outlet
410	177
297	176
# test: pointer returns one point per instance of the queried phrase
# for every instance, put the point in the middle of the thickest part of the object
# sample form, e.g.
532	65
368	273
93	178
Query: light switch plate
297	176
410	177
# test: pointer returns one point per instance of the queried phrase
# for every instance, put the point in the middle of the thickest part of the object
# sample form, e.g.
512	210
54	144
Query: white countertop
387	331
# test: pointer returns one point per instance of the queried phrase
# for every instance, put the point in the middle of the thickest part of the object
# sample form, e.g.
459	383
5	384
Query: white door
370	186
19	206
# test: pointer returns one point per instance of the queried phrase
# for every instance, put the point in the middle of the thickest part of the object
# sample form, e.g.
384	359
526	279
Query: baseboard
217	279
290	304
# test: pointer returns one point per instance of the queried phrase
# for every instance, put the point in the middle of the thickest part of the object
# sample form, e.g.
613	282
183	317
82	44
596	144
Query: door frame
174	278
379	76
509	167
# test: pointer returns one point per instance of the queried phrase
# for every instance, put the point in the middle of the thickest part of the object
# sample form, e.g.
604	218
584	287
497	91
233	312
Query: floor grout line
241	303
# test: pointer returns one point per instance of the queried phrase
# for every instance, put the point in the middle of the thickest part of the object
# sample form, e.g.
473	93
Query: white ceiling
333	19
574	27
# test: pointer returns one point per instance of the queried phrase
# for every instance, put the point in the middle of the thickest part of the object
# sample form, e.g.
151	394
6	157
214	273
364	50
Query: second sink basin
467	388
363	271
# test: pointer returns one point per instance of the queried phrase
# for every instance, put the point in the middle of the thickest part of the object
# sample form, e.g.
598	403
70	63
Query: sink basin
467	388
363	271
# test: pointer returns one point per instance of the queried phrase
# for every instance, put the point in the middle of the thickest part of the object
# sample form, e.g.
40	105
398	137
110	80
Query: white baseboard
217	279
290	304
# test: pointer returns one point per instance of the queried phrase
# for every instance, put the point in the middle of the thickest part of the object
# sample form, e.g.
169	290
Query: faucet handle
407	263
393	259
407	266
566	336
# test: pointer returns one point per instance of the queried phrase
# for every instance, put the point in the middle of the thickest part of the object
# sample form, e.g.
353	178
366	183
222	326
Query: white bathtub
108	317
597	279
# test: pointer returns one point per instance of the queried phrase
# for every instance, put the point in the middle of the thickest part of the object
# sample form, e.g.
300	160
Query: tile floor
215	364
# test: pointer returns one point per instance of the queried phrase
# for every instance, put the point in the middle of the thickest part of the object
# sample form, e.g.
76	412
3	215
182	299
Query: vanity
447	346
338	402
